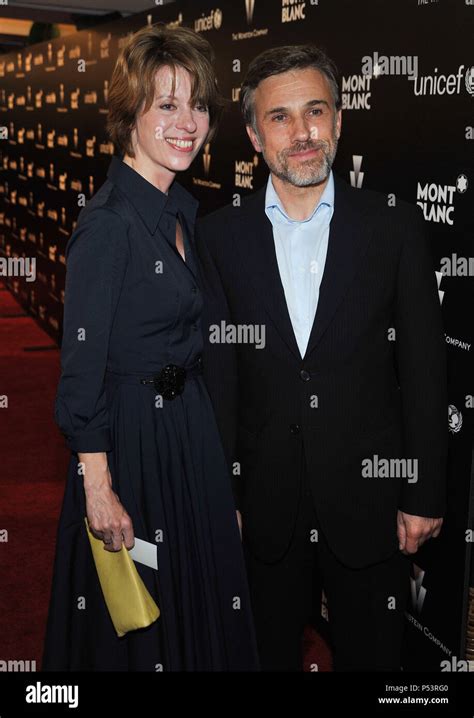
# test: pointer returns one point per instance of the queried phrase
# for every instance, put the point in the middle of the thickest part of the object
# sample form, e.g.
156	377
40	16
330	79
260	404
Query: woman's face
171	132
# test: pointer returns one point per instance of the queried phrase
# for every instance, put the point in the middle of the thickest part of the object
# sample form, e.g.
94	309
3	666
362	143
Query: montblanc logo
418	592
244	172
213	21
356	175
356	92
249	9
454	419
437	200
206	159
292	10
441	84
461	184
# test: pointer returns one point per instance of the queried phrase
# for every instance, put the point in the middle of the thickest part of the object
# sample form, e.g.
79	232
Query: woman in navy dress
146	454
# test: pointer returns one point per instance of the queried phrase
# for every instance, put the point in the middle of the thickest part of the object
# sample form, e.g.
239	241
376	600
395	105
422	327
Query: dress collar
148	200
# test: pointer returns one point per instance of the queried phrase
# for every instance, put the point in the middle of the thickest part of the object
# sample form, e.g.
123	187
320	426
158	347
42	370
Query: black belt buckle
170	381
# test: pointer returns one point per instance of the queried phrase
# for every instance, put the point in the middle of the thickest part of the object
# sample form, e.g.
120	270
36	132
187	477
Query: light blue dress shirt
301	249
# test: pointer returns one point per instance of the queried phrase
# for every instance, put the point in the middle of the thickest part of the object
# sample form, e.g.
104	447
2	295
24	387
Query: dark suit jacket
356	393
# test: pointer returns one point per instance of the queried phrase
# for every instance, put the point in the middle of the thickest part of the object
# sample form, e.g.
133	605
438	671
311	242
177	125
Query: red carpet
34	462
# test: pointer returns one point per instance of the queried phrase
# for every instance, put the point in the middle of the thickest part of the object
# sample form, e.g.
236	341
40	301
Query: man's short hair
277	60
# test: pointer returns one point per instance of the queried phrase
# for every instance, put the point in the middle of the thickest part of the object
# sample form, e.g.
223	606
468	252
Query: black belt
169	382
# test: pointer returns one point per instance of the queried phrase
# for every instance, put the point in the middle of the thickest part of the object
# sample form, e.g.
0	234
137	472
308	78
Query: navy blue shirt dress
133	306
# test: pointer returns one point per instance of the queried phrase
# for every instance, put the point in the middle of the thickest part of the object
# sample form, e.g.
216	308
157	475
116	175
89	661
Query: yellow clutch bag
128	599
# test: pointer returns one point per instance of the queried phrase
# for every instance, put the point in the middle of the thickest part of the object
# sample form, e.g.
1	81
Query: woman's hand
107	518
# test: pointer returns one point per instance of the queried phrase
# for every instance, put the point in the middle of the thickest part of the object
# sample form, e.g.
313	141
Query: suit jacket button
305	375
295	428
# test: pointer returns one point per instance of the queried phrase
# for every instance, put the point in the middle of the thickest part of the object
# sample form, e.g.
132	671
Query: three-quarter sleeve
96	260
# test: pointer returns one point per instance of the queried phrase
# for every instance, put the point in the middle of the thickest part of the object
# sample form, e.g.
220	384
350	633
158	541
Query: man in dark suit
326	367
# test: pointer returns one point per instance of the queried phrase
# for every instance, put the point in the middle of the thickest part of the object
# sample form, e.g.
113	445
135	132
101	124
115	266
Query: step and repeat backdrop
408	94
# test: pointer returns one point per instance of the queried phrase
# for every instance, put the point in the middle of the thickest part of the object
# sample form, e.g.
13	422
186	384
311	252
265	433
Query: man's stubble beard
310	172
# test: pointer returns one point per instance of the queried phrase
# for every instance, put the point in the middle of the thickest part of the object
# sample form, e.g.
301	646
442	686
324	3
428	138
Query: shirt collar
272	202
148	200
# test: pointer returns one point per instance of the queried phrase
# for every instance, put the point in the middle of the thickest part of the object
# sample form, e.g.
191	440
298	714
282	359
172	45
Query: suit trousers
366	606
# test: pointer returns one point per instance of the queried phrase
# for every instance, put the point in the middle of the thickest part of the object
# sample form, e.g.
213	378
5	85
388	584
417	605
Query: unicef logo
461	184
470	80
454	419
213	21
218	19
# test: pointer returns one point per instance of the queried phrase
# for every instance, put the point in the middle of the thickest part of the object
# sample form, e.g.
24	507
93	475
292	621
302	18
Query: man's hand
413	531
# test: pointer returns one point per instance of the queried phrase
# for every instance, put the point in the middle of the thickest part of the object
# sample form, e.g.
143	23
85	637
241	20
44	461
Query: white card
145	552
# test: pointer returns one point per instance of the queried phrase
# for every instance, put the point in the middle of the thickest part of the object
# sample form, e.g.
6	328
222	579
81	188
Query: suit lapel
254	240
348	241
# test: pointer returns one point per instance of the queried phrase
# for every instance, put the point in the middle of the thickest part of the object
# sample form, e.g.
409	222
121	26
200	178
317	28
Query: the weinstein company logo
439	276
357	177
206	159
249	9
206	164
418	591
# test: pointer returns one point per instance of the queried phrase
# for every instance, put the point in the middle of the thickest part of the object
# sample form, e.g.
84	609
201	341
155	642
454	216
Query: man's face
297	126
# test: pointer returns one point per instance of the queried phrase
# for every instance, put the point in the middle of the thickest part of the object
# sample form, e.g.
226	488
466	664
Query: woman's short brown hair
132	87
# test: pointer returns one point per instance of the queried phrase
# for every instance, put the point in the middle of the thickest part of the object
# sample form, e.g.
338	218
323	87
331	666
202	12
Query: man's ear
253	138
339	123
